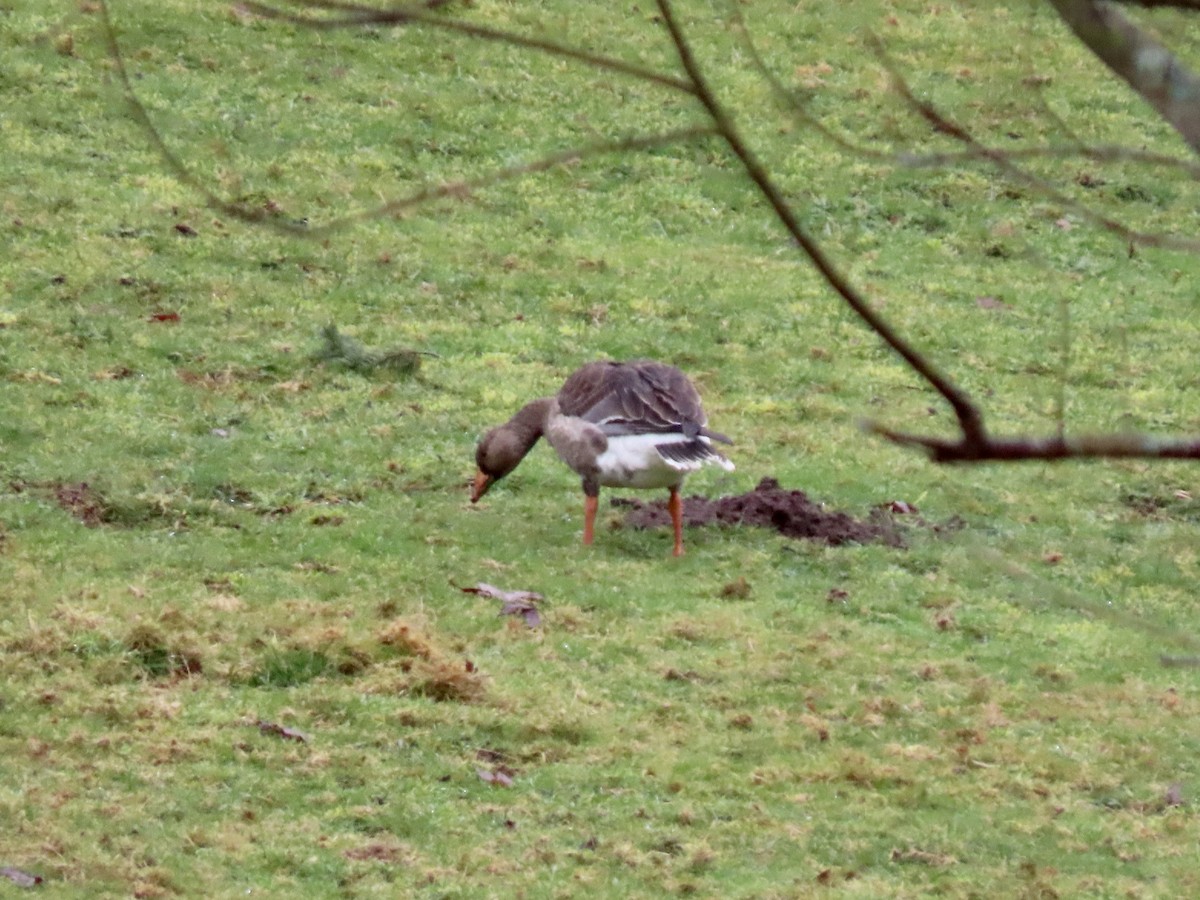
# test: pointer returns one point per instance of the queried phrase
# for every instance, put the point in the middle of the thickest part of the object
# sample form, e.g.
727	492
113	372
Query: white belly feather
633	461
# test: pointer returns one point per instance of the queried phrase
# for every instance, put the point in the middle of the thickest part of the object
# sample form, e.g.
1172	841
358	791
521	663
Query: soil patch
791	513
83	502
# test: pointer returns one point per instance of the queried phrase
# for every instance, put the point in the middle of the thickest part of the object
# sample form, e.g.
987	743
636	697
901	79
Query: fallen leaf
513	603
991	303
901	507
376	852
501	776
288	734
163	317
185	229
323	519
20	877
1174	795
1053	558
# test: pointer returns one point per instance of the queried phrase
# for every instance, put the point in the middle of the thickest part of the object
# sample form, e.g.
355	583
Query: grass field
236	658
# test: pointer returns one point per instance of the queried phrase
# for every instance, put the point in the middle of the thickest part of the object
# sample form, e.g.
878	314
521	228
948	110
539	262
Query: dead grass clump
448	681
430	671
405	640
160	657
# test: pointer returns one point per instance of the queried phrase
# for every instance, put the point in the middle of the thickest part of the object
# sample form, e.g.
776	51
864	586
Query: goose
635	424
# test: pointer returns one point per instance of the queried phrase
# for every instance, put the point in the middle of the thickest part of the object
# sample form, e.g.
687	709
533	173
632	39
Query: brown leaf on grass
1174	795
164	316
287	734
376	852
324	519
991	303
20	877
185	229
513	603
501	776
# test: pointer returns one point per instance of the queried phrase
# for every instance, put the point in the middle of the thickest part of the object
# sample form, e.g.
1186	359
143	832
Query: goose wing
640	397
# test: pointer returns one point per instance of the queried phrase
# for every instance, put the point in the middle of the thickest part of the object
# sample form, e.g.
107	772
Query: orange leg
589	519
675	505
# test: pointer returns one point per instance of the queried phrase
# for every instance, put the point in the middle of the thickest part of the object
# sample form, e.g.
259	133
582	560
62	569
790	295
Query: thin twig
1003	160
791	101
362	15
459	190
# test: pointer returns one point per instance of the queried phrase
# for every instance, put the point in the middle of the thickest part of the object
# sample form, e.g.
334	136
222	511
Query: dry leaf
501	776
1174	795
288	734
991	303
514	603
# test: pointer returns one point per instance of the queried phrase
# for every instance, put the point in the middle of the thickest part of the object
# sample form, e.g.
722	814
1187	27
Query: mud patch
791	513
83	503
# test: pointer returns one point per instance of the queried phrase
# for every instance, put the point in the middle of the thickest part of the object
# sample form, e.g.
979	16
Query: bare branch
1053	447
1002	160
790	101
463	189
173	162
1160	4
456	190
1147	66
969	417
1050	593
359	16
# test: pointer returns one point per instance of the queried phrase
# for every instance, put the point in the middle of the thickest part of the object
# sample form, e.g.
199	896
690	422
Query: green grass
268	538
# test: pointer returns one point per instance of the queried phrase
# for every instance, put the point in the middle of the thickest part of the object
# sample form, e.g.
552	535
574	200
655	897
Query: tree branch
969	417
457	189
1052	447
978	152
358	16
1002	160
1147	66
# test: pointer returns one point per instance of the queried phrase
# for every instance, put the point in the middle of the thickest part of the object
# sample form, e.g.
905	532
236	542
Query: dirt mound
791	513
